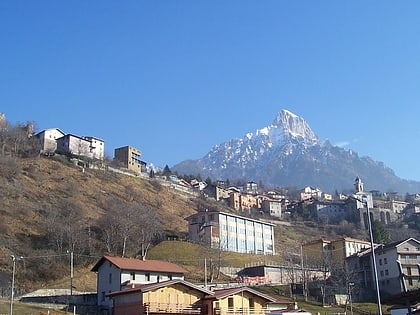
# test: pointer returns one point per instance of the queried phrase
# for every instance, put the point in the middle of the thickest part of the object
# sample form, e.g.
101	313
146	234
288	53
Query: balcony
172	308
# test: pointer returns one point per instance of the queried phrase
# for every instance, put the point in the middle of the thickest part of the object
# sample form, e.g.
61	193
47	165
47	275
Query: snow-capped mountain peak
287	126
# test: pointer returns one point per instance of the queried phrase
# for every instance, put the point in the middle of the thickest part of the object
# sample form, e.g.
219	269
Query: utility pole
303	273
71	273
205	273
365	201
375	271
12	293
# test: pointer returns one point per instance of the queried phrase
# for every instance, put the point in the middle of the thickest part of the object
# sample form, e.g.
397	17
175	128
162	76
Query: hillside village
328	270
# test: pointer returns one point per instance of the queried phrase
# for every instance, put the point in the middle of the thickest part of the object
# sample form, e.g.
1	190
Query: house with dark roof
116	273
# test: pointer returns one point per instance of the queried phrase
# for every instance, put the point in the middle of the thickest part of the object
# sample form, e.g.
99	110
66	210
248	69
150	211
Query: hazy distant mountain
288	153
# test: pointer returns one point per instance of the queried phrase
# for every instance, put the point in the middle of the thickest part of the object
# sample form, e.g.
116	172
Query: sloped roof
316	241
58	129
398	243
152	286
222	293
135	264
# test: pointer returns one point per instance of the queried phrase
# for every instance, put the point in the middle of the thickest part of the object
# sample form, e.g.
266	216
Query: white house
48	139
96	147
116	273
90	147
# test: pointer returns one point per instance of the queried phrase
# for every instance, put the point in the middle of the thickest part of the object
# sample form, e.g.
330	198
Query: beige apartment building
129	158
332	252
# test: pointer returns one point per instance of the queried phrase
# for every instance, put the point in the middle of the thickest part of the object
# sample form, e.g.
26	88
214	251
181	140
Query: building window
382	273
103	296
230	302
110	278
386	272
385	261
251	303
380	261
133	276
147	275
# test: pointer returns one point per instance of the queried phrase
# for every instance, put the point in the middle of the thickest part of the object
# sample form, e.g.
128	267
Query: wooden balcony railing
171	308
240	311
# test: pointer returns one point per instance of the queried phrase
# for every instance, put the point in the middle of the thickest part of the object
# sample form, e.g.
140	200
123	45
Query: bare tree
66	227
131	228
149	229
17	141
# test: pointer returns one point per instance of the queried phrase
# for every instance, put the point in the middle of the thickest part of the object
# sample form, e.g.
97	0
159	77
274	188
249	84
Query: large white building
231	232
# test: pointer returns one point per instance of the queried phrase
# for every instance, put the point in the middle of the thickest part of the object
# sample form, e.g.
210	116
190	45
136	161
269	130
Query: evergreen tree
166	171
380	234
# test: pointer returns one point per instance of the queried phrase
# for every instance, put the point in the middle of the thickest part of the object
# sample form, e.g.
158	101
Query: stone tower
358	185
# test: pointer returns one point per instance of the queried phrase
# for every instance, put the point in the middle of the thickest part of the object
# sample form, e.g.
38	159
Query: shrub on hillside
9	168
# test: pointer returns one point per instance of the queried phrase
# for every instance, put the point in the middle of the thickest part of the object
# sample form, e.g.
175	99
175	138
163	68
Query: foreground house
168	297
116	273
182	297
238	300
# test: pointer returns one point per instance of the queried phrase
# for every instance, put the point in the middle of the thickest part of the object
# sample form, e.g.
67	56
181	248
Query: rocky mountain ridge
288	153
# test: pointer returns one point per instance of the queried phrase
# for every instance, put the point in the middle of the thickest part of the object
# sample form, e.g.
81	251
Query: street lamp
375	271
351	284
12	293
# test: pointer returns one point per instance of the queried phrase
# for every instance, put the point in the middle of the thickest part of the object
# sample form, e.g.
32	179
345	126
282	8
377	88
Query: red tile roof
135	264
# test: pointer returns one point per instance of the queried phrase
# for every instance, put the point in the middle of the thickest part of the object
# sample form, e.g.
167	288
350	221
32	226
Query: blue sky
174	78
